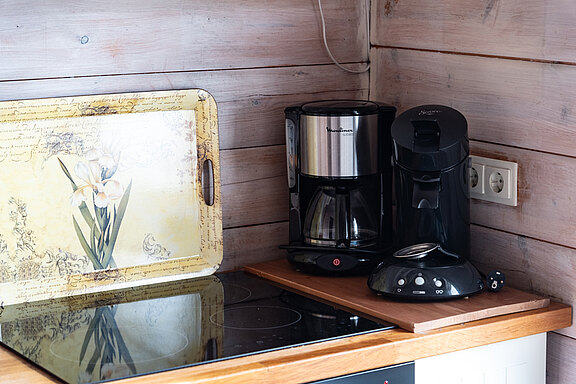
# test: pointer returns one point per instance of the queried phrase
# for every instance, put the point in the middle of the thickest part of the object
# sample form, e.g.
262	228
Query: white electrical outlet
494	180
477	179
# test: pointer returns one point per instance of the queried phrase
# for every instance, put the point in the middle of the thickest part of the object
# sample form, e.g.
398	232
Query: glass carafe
341	217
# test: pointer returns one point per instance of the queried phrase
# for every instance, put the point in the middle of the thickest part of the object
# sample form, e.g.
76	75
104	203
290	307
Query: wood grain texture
509	102
16	370
254	191
260	201
533	29
560	359
318	361
415	317
528	264
54	39
249	164
249	245
546	188
254	186
250	102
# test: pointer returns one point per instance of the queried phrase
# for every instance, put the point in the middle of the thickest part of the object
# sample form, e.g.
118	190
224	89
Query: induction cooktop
112	335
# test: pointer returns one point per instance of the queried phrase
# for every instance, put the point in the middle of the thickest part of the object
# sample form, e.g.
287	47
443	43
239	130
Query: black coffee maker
340	185
431	175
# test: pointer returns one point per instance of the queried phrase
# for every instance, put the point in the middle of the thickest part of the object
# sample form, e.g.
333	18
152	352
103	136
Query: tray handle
207	181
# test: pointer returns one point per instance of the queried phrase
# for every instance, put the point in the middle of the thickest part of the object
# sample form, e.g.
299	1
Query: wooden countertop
336	357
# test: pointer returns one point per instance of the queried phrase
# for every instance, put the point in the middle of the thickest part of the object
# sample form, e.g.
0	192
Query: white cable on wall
367	7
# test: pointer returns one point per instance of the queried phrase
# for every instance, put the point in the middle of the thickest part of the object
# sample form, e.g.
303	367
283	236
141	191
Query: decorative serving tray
106	192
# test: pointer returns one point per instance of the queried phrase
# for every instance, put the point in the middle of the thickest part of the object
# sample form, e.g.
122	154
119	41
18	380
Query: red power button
336	261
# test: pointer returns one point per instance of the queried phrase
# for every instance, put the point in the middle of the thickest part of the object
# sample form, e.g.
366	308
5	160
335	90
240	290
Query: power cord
367	6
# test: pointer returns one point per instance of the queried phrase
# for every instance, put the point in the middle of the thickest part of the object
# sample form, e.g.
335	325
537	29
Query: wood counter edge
337	357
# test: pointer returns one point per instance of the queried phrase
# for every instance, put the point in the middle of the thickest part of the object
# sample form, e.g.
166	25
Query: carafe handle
343	218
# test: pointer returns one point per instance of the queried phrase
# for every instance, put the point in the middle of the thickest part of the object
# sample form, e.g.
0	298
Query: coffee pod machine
340	185
432	239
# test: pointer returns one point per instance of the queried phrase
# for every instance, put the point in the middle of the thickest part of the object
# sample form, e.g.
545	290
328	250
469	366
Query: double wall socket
494	180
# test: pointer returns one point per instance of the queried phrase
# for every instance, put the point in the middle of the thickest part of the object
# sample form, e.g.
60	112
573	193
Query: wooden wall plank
250	245
50	38
560	359
259	201
533	29
546	203
244	165
254	186
258	120
231	85
528	264
511	102
250	102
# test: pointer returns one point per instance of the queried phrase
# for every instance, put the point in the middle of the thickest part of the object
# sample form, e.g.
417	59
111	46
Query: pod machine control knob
495	281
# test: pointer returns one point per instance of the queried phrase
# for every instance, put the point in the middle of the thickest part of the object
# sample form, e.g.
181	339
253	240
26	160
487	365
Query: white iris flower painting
100	193
145	151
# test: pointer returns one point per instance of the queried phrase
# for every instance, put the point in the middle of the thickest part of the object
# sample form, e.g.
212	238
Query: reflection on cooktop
112	335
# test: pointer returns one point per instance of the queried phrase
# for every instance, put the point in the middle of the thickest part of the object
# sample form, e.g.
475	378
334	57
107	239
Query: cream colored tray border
24	273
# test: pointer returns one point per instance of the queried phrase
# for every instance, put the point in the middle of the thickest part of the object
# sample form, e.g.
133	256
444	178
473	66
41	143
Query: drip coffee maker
340	178
431	175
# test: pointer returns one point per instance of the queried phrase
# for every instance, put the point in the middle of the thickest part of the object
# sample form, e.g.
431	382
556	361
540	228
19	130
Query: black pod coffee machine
340	185
432	236
431	174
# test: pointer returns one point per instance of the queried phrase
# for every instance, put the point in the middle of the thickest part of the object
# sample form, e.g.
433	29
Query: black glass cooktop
112	335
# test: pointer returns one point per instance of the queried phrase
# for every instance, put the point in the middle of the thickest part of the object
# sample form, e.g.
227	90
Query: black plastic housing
432	178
